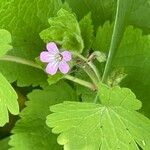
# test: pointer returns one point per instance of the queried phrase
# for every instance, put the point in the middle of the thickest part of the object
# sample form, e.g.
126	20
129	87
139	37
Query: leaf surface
104	10
25	20
31	128
87	32
5	40
8	101
132	56
114	124
64	29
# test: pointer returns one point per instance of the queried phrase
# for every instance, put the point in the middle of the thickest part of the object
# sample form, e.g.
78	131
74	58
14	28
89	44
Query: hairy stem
35	65
20	61
91	65
90	73
94	69
96	98
81	82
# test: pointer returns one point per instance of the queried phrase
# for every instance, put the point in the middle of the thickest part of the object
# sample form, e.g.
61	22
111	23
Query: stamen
58	57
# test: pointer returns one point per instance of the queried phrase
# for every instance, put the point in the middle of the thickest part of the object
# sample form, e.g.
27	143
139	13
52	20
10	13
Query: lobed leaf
103	37
8	101
5	40
31	128
100	10
112	125
55	78
87	31
64	29
133	56
104	10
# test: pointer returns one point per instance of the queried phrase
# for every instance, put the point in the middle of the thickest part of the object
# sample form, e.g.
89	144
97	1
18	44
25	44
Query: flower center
58	57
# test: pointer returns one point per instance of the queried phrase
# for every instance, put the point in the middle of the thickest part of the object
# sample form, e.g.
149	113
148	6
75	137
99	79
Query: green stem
92	66
80	56
81	82
94	69
96	98
90	73
119	27
20	61
35	65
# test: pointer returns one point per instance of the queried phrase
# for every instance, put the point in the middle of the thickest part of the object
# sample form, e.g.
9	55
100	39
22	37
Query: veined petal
52	48
46	57
52	67
64	67
66	55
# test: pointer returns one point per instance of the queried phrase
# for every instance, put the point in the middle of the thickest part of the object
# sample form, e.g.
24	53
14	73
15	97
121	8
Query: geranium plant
74	75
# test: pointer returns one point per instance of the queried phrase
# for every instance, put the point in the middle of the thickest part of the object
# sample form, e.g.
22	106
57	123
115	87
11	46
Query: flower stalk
94	74
81	82
35	65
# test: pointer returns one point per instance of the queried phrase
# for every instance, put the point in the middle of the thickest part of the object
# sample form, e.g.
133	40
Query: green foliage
31	128
24	20
103	37
133	56
140	15
86	95
8	101
133	52
4	144
64	29
103	10
87	30
100	56
108	118
100	10
114	124
116	77
5	40
55	78
124	8
116	96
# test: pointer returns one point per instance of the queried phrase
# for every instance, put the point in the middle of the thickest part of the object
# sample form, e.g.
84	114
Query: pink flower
55	59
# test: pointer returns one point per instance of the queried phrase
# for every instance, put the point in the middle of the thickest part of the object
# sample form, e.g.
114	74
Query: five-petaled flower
55	59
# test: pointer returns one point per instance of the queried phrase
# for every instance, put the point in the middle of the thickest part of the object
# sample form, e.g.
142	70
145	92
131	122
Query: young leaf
5	40
25	20
112	125
87	30
100	56
31	128
8	101
65	30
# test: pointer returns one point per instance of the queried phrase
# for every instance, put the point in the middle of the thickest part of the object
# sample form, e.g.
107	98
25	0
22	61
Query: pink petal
52	48
66	55
64	67
52	67
46	57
